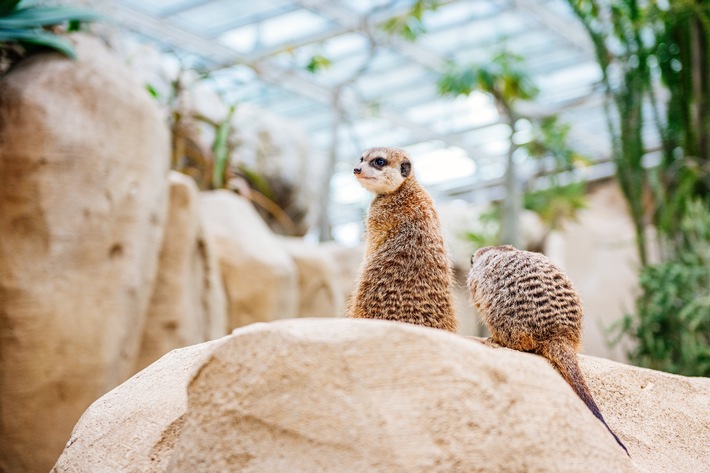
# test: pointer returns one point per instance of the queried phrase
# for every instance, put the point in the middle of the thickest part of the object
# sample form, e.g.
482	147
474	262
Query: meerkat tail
564	360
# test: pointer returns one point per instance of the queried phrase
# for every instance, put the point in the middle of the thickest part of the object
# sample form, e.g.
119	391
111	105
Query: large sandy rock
134	427
188	304
350	395
260	278
319	291
83	158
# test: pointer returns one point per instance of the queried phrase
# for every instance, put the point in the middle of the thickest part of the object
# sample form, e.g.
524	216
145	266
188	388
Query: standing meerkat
407	273
530	305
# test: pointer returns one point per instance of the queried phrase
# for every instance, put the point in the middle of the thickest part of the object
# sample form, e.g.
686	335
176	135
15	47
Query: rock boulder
188	304
260	277
312	395
84	153
319	282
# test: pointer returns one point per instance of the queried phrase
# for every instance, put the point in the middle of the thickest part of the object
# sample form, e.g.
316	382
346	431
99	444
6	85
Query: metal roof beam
556	23
350	20
163	31
183	6
267	71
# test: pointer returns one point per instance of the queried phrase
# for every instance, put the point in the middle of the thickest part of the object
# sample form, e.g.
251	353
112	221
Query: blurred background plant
212	166
655	63
26	27
507	81
409	25
671	325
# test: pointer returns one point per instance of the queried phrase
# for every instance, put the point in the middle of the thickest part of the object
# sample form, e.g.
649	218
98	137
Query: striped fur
530	305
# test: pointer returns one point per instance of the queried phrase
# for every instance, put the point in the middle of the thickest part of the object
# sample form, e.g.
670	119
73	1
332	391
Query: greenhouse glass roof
381	88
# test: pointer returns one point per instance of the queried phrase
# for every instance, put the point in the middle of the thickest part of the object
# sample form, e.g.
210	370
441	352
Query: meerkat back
524	299
530	305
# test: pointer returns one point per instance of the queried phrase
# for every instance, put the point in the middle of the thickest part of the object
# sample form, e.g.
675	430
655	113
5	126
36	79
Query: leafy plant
671	327
654	60
643	47
318	63
506	79
221	150
557	203
27	25
550	139
410	25
488	233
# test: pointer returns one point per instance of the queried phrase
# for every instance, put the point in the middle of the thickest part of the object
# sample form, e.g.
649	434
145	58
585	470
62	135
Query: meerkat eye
361	159
380	162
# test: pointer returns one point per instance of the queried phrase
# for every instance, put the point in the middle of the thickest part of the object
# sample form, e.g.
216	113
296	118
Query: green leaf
220	149
318	63
74	25
151	90
39	38
7	6
44	16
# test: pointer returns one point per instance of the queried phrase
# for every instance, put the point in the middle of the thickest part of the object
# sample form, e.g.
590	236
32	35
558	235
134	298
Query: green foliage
504	77
489	232
410	25
221	150
550	138
317	64
152	91
648	46
671	327
557	204
26	26
644	47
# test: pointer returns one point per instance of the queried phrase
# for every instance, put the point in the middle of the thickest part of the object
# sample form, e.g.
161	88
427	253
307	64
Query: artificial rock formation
188	304
319	284
83	157
311	395
348	262
260	278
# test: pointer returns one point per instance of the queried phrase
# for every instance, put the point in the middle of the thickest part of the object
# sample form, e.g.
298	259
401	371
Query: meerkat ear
406	168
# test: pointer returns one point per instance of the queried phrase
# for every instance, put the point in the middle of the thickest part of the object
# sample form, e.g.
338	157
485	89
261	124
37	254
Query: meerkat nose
357	170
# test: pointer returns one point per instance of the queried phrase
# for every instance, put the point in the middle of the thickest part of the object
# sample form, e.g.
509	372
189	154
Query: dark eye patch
380	162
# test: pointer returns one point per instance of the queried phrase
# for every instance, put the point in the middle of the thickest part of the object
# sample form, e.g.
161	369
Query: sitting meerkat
530	305
407	273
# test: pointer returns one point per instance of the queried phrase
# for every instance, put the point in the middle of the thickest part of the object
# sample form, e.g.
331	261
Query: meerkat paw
487	341
491	342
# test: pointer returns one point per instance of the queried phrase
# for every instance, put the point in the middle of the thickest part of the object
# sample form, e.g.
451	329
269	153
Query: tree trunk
325	228
513	202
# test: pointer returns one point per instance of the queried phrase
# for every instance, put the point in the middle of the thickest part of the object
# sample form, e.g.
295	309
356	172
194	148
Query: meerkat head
383	170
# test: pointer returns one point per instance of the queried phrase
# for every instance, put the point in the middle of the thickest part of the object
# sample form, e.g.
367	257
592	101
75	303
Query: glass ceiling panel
156	7
393	100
